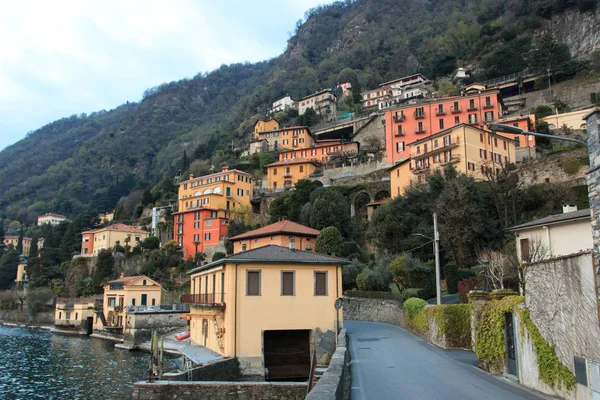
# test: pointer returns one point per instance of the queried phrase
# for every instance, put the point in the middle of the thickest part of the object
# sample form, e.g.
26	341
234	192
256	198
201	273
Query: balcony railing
399	134
440	112
487	106
419	115
287	175
208	299
399	118
453	159
455	110
420	130
472	109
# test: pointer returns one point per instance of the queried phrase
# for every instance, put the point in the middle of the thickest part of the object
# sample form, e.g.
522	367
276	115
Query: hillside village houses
108	237
268	307
322	102
284	103
52	219
283	233
395	92
471	150
205	204
13	241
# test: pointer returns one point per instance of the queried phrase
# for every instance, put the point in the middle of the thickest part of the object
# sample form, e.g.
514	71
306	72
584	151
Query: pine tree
19	247
33	249
105	268
2	246
185	163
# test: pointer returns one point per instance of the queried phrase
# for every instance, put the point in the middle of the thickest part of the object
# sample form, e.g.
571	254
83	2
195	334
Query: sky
59	58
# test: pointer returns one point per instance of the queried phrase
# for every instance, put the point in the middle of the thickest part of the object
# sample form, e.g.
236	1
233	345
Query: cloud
67	57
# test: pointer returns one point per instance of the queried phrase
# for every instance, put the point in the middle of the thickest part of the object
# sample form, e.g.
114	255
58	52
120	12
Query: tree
8	269
105	269
279	209
330	208
151	243
349	274
19	247
185	163
377	278
301	196
550	57
33	248
38	300
329	241
2	245
498	267
399	267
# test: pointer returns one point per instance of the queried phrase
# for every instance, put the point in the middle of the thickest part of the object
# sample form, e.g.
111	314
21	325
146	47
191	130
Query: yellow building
263	125
571	120
323	102
22	278
129	291
289	138
267	307
13	241
75	314
283	233
223	190
106	238
106	217
471	150
285	173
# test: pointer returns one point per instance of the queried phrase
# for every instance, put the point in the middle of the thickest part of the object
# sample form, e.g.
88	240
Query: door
511	351
144	299
286	355
90	325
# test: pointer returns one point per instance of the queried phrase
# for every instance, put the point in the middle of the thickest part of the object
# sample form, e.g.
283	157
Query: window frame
248	271
315	273
293	282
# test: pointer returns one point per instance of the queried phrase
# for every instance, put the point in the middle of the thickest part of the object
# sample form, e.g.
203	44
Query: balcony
453	159
420	130
399	134
205	299
287	175
444	146
440	112
421	169
488	106
419	115
399	118
472	109
455	110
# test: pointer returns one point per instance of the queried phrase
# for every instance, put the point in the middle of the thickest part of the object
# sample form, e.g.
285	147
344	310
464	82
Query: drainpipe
235	314
337	295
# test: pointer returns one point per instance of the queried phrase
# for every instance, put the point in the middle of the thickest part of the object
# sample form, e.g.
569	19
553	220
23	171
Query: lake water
36	364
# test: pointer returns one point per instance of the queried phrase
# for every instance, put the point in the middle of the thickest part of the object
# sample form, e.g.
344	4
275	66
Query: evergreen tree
8	269
330	208
33	249
329	241
19	247
105	269
185	163
2	246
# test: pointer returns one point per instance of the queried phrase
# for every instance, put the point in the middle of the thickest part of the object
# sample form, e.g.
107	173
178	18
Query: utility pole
436	246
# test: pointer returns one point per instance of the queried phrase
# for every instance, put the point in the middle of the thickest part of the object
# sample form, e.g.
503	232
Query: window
243	246
252	283
525	254
209	222
274	171
59	315
418	149
488	101
472	118
420	127
455	106
207	236
196	237
68	316
504	144
440	108
144	282
496	142
287	283
425	148
302	168
399	147
441	123
489	116
320	283
112	301
76	316
153	302
472	104
481	137
482	154
471	166
196	225
447	140
400	133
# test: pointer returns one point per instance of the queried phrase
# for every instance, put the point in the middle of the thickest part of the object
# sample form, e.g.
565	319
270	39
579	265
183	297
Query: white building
554	235
52	219
283	104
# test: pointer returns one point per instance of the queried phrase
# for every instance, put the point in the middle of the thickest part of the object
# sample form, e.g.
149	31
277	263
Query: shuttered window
320	283
253	283
287	283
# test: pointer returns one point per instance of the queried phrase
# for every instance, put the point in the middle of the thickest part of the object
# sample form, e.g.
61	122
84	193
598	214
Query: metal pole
436	246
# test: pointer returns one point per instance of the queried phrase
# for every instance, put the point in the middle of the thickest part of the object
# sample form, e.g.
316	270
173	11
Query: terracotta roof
278	228
553	219
128	280
120	228
291	162
275	254
228	171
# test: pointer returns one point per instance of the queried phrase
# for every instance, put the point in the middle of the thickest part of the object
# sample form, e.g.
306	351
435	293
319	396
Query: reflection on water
38	364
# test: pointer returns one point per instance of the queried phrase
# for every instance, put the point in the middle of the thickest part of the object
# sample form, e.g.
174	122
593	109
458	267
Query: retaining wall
139	325
373	310
336	381
222	370
165	390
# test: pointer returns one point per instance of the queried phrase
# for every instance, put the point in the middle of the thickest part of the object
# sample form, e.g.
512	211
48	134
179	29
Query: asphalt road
389	362
446	299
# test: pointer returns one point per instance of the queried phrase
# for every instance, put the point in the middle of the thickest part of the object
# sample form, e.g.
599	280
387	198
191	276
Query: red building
198	228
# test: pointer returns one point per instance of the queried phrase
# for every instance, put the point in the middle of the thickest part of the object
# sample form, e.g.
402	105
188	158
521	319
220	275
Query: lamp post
436	251
520	131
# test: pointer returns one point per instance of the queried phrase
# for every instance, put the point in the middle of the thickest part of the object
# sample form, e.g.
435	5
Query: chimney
567	208
292	245
191	176
225	169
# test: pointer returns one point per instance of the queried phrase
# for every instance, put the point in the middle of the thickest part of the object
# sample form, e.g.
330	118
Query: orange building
322	152
526	122
284	174
471	150
283	233
92	242
204	206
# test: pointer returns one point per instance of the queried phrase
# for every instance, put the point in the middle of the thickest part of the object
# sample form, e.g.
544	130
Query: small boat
183	335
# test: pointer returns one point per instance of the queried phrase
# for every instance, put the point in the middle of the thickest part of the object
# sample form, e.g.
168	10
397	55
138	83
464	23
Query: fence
205	298
161	307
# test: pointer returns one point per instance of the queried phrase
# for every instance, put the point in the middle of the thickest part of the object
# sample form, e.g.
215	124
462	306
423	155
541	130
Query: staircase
102	318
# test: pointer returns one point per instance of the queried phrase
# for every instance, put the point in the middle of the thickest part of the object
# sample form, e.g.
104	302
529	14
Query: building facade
322	152
471	150
293	137
52	219
323	102
124	292
266	307
284	103
92	242
284	174
13	241
283	233
75	314
205	204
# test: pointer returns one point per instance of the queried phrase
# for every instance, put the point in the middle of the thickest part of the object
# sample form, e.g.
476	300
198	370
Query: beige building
129	291
22	278
75	314
572	120
554	235
283	233
13	241
52	219
323	102
471	150
106	238
267	307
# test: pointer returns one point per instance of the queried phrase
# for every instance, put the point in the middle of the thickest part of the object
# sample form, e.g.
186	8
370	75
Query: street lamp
494	127
436	250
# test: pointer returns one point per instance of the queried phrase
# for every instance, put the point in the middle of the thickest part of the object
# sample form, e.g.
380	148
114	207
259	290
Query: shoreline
37	327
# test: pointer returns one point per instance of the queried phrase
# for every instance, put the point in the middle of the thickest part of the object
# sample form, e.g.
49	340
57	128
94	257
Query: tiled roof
274	254
552	219
291	162
128	280
288	227
119	228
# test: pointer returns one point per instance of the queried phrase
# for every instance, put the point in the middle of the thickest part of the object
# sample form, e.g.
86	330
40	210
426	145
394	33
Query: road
446	299
389	362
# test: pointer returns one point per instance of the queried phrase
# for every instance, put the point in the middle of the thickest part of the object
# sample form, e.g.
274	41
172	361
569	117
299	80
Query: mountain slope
76	162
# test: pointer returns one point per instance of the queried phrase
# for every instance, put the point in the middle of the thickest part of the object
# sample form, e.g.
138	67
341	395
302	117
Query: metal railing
160	307
205	298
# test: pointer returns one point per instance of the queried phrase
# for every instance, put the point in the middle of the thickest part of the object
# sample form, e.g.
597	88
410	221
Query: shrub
454	323
413	316
413	305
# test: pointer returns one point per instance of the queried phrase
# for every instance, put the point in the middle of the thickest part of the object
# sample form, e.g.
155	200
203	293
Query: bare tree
537	252
498	267
503	181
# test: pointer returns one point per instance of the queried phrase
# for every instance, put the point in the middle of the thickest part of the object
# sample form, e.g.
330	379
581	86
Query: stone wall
164	390
593	177
227	370
373	310
139	325
579	31
550	170
353	173
336	381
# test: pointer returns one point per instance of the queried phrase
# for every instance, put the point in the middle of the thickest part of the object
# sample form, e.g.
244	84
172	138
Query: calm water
40	365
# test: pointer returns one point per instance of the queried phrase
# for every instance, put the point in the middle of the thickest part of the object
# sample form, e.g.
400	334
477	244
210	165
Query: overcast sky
59	58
